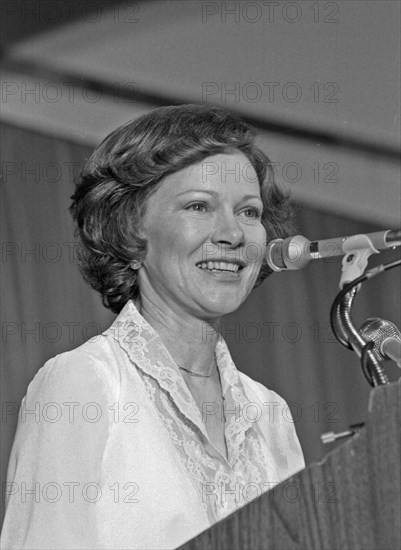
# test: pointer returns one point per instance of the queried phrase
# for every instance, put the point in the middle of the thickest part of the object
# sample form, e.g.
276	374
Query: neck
190	341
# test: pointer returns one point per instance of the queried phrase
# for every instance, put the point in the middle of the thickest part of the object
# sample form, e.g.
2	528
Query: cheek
171	240
158	232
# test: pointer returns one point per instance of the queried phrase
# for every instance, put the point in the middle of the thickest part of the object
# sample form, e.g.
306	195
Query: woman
160	436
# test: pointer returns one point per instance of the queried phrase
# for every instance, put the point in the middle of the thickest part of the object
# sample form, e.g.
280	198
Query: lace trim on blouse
222	485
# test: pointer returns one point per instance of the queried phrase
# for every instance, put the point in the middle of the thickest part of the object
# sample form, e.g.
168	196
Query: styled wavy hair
112	189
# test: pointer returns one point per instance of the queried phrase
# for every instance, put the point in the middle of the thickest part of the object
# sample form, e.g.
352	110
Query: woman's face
206	242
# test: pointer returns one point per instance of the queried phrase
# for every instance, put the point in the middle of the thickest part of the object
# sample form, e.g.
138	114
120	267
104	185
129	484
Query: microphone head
379	330
288	254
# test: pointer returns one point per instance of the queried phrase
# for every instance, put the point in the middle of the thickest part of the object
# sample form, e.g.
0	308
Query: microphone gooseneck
348	336
370	362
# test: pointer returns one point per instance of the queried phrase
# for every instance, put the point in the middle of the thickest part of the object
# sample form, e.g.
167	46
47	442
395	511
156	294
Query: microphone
386	336
296	252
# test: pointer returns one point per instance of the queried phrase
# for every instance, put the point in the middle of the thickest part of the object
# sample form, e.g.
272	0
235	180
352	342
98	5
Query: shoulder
276	408
263	393
90	369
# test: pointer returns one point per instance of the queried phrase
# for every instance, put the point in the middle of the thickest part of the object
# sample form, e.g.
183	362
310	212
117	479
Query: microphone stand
371	367
346	332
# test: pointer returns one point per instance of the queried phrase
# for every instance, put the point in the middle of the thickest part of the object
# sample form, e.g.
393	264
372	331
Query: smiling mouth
220	266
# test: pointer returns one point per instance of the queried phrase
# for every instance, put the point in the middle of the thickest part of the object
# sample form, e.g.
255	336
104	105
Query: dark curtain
280	336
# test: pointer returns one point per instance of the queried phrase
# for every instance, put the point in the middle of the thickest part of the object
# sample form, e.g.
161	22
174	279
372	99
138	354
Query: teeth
219	266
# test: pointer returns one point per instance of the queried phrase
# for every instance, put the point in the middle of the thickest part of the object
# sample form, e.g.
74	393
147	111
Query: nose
228	230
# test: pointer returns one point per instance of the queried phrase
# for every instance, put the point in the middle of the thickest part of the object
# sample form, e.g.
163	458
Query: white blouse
111	450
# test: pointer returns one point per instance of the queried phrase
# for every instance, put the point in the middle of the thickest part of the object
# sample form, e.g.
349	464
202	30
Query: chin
222	305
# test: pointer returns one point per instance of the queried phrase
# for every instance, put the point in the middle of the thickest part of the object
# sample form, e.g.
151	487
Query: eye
253	213
197	207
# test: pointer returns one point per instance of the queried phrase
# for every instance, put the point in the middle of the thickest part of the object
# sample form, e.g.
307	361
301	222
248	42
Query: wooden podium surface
349	500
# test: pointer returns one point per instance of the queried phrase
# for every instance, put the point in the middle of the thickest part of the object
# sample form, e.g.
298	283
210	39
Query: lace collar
147	351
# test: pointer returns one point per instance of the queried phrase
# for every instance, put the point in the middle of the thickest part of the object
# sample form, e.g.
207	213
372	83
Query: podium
349	500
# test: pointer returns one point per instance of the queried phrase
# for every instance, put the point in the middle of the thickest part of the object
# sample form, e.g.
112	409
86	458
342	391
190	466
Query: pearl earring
135	264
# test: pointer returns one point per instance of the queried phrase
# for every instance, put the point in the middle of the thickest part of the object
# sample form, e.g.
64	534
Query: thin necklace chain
200	375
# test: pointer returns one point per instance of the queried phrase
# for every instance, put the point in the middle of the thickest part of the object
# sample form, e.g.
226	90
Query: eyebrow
215	194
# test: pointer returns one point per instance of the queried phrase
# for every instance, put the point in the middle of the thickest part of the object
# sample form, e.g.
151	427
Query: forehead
226	172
